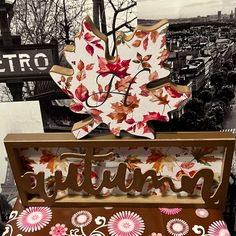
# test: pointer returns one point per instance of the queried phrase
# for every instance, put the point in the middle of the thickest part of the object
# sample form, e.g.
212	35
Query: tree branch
127	8
121	26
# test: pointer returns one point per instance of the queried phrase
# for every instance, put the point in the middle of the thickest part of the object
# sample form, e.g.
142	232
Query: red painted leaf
192	173
187	165
98	45
172	92
86	24
154	36
81	93
85	129
163	41
145	44
90	49
146	130
76	107
96	112
129	129
96	41
130	121
89	37
90	66
154	116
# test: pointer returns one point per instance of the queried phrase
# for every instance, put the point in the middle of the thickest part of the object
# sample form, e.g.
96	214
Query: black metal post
14	87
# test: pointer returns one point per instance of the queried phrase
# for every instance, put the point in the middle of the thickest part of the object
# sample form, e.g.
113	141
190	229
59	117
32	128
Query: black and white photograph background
201	43
35	23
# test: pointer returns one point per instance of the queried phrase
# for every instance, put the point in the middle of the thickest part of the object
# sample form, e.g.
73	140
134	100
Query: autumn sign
125	91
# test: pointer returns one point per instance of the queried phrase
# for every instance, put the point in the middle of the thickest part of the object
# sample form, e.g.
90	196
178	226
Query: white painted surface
17	117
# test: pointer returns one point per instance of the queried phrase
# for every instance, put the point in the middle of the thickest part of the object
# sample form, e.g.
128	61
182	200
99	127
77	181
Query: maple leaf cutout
117	86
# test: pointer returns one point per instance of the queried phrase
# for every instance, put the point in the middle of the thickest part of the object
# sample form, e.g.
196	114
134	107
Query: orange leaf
153	76
136	43
80	65
154	36
141	34
81	75
132	102
50	165
164	100
124	83
90	66
157	166
146	65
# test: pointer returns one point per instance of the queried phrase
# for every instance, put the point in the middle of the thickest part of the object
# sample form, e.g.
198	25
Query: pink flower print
34	219
155	234
218	228
58	230
126	223
170	211
202	213
81	218
177	227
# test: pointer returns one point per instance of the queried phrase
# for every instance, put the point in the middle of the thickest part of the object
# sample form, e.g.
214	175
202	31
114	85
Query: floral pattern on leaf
104	83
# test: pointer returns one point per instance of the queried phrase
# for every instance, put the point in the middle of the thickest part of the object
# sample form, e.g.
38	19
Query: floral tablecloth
109	221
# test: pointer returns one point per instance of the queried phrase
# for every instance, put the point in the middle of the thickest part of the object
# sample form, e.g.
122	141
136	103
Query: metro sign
27	62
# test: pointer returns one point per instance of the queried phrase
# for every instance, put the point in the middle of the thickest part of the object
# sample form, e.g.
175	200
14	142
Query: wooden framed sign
174	169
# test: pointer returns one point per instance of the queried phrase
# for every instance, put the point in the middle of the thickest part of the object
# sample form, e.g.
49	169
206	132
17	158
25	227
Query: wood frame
13	142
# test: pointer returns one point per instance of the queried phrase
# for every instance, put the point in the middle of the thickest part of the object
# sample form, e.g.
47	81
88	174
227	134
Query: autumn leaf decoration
91	43
143	61
132	162
65	83
113	89
157	96
204	155
161	160
53	161
120	111
144	37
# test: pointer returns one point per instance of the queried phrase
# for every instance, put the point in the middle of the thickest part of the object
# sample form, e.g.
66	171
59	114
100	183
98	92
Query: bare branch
126	24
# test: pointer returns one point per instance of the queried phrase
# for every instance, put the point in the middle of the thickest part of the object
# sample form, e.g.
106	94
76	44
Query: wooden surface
148	221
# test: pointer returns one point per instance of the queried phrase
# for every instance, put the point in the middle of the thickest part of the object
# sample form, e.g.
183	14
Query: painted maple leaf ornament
125	91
